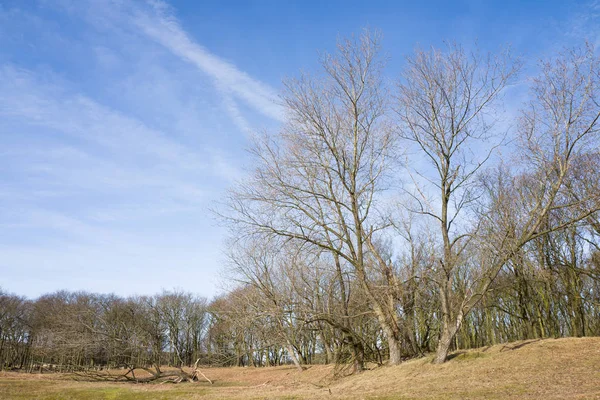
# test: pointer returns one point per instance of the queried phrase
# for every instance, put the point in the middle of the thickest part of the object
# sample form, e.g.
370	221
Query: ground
541	369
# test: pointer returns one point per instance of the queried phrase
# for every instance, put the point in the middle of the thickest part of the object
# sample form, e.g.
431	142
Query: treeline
303	311
314	309
73	331
80	331
389	218
385	220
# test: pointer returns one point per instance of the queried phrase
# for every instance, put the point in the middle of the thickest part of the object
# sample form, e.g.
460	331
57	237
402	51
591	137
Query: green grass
41	390
469	355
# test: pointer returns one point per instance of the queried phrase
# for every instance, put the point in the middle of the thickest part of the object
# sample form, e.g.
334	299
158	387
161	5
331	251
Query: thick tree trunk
394	345
395	351
328	353
386	321
358	356
443	347
450	327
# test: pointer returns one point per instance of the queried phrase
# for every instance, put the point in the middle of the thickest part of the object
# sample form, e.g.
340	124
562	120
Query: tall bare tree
319	181
444	103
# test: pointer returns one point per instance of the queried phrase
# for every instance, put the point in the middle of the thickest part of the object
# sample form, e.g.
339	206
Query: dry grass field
544	369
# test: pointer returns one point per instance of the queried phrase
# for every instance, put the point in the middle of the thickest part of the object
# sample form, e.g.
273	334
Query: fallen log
155	375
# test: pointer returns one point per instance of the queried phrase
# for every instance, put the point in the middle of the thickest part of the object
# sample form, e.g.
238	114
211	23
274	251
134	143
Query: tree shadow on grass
455	354
518	346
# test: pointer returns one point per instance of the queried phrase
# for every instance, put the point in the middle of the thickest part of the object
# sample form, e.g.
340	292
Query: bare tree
319	182
555	187
444	103
443	106
266	268
15	331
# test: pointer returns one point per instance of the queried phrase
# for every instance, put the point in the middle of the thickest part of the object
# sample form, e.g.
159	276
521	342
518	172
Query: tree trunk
359	357
294	357
443	347
394	345
449	328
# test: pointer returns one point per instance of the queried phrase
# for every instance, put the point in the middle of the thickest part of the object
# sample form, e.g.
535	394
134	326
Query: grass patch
469	355
22	390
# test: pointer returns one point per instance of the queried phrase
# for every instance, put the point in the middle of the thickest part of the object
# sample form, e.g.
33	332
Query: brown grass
546	369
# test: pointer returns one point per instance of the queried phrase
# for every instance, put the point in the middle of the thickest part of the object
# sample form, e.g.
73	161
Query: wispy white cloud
234	112
90	192
111	153
62	144
583	23
108	171
159	23
155	20
45	104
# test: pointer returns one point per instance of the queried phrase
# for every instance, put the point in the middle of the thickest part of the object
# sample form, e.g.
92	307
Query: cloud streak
109	158
160	24
33	106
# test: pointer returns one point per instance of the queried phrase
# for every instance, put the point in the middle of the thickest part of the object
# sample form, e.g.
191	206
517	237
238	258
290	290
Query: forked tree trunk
450	327
294	357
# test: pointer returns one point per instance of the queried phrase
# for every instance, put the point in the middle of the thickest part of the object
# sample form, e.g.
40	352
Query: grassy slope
548	369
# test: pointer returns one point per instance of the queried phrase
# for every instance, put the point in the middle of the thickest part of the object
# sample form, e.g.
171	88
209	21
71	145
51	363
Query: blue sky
122	122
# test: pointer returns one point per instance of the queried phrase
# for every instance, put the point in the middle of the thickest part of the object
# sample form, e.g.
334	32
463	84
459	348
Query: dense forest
386	219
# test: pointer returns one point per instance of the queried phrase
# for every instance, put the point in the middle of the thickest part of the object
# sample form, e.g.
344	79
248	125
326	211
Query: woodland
453	204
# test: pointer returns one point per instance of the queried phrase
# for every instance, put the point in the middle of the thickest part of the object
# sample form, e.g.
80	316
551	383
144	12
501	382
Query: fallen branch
197	371
156	375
